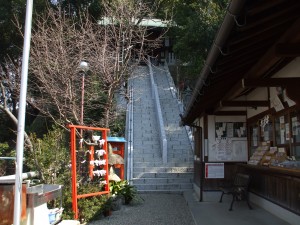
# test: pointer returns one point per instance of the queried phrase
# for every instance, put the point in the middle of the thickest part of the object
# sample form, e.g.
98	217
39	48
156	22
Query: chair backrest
241	180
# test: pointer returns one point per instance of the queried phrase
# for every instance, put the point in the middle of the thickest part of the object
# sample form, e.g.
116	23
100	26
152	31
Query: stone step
171	159
186	180
155	148
162	175
139	158
180	192
189	160
183	157
150	174
164	187
159	163
174	150
182	169
163	170
146	155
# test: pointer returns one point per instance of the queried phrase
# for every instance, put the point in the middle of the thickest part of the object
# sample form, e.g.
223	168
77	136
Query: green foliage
77	7
6	166
67	201
7	128
10	39
5	149
124	189
117	127
95	109
40	126
196	26
91	208
115	187
53	160
50	156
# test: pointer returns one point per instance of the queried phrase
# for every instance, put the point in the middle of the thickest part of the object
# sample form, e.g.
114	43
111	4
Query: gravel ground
154	209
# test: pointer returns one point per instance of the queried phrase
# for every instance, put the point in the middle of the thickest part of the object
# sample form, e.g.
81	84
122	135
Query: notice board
214	170
228	143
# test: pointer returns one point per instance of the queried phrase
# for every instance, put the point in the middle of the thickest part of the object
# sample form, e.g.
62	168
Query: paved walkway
176	209
212	212
156	209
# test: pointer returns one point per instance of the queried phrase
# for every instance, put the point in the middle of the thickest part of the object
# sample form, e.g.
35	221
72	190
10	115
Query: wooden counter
278	185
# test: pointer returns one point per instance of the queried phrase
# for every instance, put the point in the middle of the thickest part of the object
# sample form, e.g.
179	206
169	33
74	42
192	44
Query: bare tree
10	72
60	43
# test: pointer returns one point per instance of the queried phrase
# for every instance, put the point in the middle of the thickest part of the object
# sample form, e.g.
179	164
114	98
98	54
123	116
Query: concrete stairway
149	172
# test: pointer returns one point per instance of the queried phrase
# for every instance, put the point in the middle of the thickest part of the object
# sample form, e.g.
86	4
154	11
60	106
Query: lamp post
84	67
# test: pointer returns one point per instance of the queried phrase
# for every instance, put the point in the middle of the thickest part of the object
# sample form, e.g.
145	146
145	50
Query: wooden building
245	108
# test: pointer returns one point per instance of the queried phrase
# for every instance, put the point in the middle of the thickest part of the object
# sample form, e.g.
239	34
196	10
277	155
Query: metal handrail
182	100
161	127
129	133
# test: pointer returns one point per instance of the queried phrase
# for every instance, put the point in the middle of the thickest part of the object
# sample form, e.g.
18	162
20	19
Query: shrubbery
51	157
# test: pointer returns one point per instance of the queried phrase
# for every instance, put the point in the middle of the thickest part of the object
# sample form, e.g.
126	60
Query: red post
73	168
104	136
91	158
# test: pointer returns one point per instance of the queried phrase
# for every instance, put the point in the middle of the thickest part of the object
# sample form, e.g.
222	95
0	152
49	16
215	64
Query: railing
182	100
27	175
129	134
161	127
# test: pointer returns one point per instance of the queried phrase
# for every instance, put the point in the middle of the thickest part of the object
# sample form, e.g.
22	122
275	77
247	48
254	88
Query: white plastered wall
260	94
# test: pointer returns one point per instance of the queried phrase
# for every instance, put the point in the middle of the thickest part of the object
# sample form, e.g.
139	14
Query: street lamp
84	67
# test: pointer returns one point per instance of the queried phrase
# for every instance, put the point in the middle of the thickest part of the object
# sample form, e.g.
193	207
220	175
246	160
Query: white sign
214	170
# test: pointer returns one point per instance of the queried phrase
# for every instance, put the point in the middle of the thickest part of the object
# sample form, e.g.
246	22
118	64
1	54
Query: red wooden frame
75	195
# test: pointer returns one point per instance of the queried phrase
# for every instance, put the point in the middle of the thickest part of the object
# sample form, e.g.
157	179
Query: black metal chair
238	190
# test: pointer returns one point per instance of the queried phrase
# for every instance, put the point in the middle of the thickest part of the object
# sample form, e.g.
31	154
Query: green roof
143	22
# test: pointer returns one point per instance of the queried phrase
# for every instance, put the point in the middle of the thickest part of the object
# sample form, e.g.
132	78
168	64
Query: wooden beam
258	7
262	20
245	103
287	50
271	82
230	113
294	94
267	60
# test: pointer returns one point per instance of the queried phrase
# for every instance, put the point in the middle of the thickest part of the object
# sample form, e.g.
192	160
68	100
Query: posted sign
214	170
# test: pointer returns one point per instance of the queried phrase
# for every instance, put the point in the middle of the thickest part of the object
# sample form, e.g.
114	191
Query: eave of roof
244	48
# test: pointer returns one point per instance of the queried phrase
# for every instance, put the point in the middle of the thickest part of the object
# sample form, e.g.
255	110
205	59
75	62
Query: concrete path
155	209
177	209
212	212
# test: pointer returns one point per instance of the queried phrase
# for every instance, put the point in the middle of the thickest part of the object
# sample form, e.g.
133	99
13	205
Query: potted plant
122	189
115	194
128	191
107	207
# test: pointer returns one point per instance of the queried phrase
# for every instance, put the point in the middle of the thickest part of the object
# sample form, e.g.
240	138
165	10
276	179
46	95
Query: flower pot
116	203
107	213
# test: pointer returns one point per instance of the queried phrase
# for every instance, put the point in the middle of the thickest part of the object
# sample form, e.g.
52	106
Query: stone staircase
149	172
